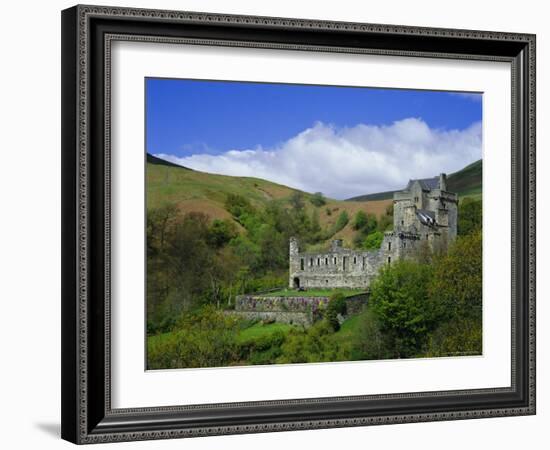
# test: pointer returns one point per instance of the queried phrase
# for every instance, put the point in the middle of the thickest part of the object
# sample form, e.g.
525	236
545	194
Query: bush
336	306
365	222
360	220
399	298
457	337
469	216
312	345
374	240
369	343
457	282
318	199
238	205
206	338
221	232
341	222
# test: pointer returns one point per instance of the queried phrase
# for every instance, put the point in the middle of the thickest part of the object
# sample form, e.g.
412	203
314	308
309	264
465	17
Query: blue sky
292	134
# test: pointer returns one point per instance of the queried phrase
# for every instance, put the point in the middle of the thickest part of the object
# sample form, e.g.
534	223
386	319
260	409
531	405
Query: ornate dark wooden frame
87	33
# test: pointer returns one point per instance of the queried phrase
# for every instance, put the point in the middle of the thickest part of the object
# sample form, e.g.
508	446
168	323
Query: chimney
443	181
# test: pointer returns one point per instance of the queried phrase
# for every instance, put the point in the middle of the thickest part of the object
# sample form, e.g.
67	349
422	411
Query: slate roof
426	184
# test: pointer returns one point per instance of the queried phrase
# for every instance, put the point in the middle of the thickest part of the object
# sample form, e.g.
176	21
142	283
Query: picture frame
87	365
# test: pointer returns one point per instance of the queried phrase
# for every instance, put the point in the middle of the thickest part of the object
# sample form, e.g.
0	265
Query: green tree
336	306
399	298
360	220
368	342
297	201
469	216
457	281
221	232
205	338
366	222
373	241
318	199
342	221
316	344
238	205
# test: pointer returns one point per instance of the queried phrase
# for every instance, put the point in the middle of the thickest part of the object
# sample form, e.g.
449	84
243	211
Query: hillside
466	182
192	190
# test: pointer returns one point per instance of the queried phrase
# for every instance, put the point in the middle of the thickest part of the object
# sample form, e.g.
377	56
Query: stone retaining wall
301	310
292	318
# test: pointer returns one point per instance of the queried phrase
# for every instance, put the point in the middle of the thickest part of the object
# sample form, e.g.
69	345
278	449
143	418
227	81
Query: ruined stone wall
340	267
334	268
293	310
292	318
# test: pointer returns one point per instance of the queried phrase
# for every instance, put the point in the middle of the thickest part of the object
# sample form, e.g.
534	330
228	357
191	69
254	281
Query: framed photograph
279	224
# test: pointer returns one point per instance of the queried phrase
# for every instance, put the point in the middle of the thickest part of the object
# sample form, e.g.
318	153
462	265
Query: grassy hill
192	190
466	182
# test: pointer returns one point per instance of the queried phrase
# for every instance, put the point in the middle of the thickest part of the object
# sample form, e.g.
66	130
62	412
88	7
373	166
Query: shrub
368	342
205	338
238	205
312	345
399	298
342	221
360	220
469	216
456	337
317	199
373	241
221	232
336	306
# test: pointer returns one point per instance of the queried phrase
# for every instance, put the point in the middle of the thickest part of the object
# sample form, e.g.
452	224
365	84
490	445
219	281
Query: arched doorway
296	283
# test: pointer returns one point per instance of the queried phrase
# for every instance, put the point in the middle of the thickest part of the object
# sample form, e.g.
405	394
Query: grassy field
260	330
313	292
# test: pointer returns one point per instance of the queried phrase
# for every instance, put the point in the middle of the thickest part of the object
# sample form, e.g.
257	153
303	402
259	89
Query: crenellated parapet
425	214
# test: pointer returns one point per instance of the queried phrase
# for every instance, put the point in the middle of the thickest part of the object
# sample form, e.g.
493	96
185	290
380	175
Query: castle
424	214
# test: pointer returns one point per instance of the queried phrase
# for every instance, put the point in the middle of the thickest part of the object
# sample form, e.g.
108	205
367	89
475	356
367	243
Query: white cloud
346	162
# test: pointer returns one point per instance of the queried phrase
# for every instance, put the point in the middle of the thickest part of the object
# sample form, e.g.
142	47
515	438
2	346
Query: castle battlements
424	212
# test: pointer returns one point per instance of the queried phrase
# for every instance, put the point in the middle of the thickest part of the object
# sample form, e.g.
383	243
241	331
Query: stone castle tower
424	213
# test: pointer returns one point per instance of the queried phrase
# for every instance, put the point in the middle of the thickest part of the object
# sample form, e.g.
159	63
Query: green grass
260	330
313	292
468	181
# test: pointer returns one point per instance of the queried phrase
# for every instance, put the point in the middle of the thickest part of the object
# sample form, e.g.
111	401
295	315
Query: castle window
318	261
302	264
416	199
354	260
311	262
402	222
426	237
344	262
326	281
326	261
364	260
389	245
404	244
334	260
389	259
